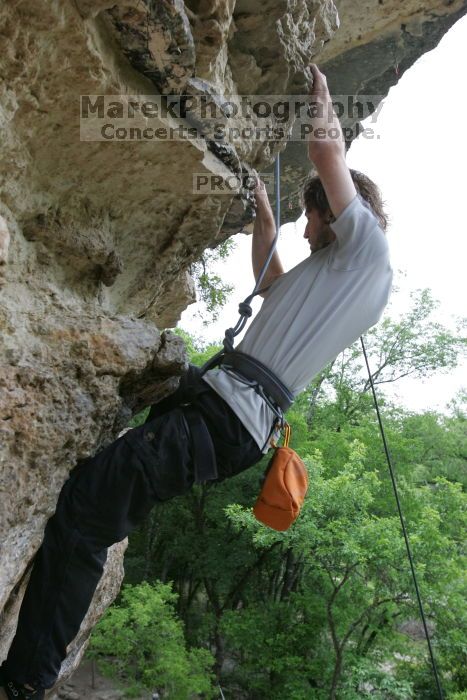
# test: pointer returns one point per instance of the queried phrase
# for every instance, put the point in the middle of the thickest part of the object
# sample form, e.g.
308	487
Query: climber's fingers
320	84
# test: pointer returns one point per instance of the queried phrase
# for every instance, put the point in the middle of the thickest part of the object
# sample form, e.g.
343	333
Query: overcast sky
419	163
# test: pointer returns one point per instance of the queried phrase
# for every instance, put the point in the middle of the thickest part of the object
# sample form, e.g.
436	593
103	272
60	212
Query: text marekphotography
223	119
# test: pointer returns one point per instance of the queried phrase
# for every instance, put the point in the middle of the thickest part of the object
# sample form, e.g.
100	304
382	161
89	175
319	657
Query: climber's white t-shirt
311	313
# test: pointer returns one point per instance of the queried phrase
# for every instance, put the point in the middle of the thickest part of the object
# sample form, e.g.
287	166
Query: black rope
407	544
244	308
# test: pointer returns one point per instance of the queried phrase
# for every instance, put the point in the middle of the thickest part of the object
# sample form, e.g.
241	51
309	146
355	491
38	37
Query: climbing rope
404	530
244	308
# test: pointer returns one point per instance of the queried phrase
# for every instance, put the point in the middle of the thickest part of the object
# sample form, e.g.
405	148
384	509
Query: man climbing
221	424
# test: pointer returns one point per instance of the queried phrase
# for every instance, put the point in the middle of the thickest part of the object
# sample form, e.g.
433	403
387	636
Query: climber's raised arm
326	147
264	230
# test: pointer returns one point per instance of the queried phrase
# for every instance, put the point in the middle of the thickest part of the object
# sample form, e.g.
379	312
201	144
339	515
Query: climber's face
317	230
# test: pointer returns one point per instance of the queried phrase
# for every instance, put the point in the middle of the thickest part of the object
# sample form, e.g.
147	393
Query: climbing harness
280	398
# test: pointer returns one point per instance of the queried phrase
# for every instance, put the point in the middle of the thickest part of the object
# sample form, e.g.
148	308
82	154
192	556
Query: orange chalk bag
284	487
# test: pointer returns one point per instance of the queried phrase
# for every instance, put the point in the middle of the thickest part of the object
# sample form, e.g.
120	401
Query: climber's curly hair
314	196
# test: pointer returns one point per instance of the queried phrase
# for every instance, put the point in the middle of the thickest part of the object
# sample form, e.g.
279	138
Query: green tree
140	642
353	581
413	345
212	290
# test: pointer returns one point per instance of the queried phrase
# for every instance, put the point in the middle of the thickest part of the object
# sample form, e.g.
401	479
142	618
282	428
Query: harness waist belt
254	370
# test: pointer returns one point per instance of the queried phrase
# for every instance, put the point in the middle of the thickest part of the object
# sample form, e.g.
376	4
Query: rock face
96	237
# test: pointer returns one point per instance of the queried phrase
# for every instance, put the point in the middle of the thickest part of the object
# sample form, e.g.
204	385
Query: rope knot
228	341
244	309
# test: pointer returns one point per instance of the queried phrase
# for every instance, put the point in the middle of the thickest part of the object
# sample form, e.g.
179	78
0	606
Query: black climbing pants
104	499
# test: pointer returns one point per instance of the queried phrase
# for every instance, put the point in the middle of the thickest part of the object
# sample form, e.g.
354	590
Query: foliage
413	345
198	352
212	290
140	642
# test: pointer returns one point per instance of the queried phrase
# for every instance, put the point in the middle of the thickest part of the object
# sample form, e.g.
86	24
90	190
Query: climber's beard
321	238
